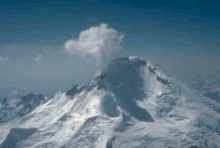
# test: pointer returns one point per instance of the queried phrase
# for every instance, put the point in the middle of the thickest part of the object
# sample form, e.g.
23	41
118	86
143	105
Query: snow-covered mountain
131	104
15	106
209	86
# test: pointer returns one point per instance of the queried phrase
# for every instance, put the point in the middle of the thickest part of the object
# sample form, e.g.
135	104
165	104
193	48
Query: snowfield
132	104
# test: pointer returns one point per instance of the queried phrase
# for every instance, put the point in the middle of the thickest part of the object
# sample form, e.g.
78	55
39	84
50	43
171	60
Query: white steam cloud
99	43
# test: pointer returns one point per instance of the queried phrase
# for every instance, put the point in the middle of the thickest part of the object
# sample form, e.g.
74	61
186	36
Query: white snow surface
133	104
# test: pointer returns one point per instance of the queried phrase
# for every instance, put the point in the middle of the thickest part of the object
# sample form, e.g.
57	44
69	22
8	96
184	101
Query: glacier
131	104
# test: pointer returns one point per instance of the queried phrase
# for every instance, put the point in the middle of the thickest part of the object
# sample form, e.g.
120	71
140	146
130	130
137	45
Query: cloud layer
99	43
4	59
38	58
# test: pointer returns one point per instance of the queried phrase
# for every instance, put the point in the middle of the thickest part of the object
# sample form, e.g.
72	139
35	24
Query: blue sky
182	36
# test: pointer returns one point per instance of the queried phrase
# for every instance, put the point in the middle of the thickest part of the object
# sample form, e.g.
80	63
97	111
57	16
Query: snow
131	104
15	106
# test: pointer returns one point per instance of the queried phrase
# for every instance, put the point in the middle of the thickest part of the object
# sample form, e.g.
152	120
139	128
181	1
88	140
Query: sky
181	36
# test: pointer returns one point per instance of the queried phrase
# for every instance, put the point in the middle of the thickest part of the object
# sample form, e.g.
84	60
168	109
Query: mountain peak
131	104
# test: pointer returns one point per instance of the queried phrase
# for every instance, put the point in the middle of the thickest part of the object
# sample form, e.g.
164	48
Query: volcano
131	104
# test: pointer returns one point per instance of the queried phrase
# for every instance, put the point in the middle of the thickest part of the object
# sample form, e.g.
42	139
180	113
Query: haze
181	36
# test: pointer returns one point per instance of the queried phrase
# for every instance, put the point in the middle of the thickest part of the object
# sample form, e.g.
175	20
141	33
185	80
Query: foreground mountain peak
131	104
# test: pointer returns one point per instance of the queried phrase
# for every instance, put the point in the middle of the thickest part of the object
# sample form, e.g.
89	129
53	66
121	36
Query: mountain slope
131	104
16	106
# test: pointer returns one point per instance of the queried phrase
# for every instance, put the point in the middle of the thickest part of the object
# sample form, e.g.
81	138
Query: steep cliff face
131	104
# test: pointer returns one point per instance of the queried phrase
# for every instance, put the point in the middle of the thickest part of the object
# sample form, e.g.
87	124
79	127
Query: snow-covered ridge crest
131	104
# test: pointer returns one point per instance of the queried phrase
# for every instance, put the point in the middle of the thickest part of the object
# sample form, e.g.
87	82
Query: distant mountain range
15	106
209	86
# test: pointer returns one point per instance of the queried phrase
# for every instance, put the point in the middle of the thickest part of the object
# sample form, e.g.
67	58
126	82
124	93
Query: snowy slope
131	104
16	106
